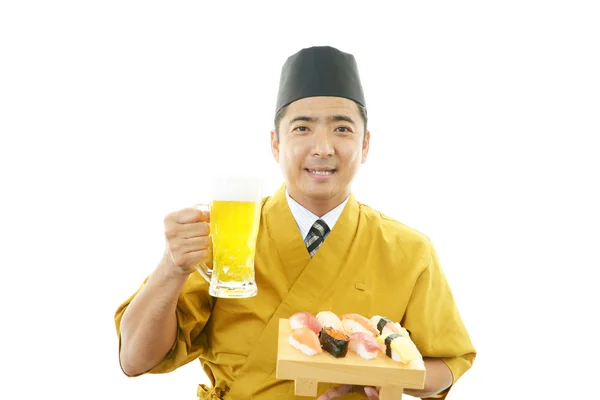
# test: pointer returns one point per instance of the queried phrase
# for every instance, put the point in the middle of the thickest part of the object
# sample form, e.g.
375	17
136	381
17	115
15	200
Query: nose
321	144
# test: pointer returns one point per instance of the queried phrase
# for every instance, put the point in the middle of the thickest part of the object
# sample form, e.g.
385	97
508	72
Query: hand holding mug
188	241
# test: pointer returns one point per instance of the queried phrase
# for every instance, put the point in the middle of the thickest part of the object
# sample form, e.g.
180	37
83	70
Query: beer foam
237	188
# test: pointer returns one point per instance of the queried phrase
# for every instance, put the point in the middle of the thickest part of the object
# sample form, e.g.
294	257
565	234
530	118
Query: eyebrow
330	118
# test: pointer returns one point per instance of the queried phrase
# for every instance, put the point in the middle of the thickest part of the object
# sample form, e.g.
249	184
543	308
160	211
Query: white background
484	119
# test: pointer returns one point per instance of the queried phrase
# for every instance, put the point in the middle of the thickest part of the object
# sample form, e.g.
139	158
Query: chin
321	192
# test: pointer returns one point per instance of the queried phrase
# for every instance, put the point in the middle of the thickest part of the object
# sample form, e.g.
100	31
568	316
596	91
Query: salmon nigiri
305	340
365	345
307	320
357	323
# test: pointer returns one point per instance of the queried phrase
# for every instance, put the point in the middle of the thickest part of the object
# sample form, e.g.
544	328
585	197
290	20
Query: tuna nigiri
365	345
357	323
304	319
305	340
329	320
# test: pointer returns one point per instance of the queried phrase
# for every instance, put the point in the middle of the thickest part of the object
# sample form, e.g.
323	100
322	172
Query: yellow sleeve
434	322
194	308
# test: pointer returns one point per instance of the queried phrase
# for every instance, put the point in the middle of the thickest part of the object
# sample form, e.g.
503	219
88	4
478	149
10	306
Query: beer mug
235	209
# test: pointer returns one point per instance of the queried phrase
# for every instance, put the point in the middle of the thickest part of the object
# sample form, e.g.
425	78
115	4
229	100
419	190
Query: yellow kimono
369	264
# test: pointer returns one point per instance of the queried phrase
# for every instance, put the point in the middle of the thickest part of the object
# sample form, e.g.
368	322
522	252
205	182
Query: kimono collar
305	219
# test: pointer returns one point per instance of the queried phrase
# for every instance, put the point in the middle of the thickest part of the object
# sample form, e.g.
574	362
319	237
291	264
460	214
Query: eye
343	129
302	129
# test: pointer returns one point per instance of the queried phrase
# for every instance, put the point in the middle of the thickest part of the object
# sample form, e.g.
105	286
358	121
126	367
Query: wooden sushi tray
308	371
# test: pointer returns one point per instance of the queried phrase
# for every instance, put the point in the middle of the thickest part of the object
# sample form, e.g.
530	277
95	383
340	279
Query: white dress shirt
305	219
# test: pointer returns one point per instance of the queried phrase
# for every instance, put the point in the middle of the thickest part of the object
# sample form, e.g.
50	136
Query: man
318	249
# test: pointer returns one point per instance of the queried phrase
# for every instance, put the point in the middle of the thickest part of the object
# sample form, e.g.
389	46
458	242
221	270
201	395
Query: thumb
203	211
371	393
337	391
205	216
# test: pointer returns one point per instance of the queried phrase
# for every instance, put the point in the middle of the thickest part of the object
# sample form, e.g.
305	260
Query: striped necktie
316	236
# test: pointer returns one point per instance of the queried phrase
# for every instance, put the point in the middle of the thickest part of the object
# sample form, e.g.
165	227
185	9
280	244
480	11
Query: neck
319	207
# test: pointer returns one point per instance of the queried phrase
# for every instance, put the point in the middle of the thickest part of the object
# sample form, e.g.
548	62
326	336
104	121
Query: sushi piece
399	348
334	342
305	340
402	331
365	345
304	319
329	320
385	326
357	323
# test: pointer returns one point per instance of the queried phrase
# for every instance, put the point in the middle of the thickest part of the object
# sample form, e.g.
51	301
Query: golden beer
234	228
234	224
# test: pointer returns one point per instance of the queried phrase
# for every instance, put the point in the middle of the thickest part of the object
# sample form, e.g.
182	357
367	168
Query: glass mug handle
201	267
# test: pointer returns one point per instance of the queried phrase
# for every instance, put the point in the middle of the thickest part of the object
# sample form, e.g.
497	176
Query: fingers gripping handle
201	267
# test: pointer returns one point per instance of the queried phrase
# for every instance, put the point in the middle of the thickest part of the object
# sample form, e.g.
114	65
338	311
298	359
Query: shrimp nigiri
304	319
305	340
357	323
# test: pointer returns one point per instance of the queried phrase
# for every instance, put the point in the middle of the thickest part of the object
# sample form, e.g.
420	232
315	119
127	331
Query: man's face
321	145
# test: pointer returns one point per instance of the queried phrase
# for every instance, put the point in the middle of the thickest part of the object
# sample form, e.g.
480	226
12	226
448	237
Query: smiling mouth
321	172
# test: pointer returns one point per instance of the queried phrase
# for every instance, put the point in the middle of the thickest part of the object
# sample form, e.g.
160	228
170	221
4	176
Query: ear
365	146
275	145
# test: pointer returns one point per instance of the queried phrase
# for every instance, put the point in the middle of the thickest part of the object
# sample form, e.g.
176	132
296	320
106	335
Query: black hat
319	71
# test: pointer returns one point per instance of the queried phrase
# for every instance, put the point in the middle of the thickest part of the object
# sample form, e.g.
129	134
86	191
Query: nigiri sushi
305	340
385	326
357	323
399	348
334	342
402	331
304	319
365	345
329	320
